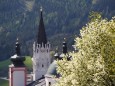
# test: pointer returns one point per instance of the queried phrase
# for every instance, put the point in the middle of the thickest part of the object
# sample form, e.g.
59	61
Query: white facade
41	60
50	80
17	76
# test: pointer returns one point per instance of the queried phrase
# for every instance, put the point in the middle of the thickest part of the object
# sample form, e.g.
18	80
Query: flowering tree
93	64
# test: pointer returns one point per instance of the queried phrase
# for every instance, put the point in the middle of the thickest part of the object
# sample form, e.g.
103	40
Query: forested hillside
63	18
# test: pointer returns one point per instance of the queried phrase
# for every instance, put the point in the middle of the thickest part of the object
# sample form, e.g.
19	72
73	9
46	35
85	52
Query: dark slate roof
52	70
41	38
37	82
17	59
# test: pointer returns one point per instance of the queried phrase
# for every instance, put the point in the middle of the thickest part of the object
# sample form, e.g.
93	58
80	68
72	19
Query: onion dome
52	70
56	55
17	59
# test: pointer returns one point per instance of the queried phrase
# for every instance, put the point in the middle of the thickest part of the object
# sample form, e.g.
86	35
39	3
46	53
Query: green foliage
28	62
4	66
94	63
4	82
95	15
19	18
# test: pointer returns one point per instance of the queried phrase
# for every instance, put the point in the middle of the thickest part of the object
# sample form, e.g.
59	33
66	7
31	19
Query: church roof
38	82
52	70
17	59
41	38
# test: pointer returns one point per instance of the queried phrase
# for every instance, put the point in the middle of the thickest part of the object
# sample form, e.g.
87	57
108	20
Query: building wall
17	76
50	81
41	60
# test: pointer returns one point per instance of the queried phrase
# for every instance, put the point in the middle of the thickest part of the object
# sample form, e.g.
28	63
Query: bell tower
41	51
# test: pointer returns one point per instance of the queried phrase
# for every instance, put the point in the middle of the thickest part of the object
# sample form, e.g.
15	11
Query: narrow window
47	50
49	83
42	65
48	45
37	50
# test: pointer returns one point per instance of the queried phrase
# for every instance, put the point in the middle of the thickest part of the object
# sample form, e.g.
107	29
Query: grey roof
52	70
38	82
56	55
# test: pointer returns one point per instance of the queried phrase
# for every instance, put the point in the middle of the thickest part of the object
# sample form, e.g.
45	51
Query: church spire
64	46
41	38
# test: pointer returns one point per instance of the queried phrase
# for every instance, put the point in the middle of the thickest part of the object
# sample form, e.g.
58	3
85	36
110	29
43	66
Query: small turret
64	49
56	55
17	59
64	46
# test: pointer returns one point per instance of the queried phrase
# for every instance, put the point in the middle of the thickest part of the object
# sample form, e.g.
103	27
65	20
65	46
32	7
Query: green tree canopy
93	64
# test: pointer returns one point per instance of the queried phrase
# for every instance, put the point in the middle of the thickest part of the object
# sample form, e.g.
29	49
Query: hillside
20	18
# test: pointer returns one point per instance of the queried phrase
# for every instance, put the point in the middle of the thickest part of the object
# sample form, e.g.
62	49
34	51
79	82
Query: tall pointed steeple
41	38
41	51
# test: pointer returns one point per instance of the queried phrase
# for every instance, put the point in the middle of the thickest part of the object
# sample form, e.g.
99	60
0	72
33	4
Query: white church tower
41	52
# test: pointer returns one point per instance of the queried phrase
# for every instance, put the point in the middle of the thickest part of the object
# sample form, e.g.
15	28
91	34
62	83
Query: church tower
41	51
17	70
